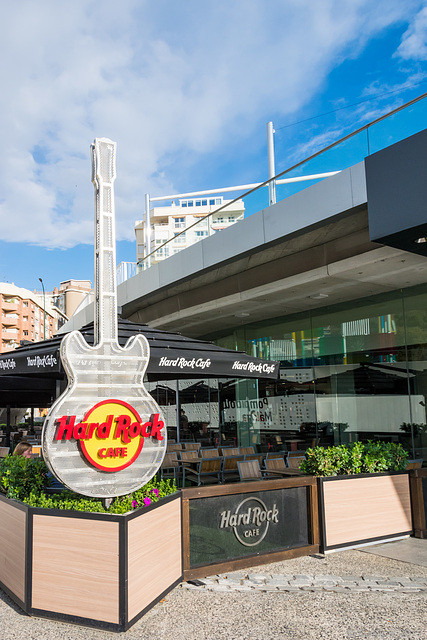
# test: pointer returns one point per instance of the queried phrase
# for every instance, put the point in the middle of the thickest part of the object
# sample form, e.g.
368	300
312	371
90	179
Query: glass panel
164	393
228	527
361	371
415	432
199	414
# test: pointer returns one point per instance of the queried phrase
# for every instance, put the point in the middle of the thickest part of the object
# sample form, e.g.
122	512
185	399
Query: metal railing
344	152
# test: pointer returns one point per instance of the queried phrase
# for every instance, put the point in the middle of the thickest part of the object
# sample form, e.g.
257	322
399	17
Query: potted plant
364	493
57	549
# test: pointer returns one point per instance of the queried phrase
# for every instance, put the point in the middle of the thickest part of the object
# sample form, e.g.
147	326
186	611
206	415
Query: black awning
23	391
172	356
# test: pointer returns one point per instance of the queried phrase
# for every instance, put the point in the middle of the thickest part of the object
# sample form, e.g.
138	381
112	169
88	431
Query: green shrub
27	479
69	501
359	457
19	476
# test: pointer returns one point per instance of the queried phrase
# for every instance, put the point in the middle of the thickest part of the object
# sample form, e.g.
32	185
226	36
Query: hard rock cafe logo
250	521
111	434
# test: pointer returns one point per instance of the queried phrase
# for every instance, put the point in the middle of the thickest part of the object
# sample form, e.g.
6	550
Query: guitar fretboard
103	176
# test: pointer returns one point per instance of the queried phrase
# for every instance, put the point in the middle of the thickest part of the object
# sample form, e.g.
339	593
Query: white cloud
414	40
164	79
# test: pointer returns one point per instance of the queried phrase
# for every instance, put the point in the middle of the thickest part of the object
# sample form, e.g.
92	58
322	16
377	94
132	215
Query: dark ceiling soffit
397	194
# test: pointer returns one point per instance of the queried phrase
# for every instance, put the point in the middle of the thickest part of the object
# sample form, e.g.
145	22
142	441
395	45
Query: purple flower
134	504
147	501
156	492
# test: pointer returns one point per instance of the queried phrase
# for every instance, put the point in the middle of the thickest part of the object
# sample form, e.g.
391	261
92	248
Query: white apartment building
173	223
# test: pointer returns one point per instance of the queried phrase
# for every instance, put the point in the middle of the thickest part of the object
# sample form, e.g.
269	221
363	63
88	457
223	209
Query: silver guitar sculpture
105	391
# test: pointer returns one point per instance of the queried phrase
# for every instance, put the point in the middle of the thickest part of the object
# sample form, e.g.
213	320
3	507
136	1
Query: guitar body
110	377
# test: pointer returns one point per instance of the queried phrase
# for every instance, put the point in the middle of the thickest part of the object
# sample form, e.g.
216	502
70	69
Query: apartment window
201	234
25	318
25	304
179	223
230	218
25	333
221	220
179	239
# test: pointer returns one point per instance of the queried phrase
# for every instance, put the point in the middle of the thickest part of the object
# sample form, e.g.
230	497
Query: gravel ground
192	614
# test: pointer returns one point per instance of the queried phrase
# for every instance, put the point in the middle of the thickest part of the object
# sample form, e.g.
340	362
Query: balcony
10	306
10	320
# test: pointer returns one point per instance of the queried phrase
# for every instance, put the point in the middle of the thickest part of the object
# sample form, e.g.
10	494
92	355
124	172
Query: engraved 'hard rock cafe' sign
105	436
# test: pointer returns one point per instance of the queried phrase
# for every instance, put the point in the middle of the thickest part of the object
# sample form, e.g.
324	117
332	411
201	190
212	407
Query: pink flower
156	492
134	504
147	501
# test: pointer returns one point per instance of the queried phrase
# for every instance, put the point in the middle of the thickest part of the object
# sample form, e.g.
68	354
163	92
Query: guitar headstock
103	153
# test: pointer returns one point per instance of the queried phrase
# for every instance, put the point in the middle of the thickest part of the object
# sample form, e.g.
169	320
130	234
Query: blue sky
185	89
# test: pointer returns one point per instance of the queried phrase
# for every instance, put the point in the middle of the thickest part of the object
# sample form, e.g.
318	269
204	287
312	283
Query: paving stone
324	582
351	578
257	577
278	580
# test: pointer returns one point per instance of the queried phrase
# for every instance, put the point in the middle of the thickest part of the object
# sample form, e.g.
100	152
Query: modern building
23	315
332	282
174	223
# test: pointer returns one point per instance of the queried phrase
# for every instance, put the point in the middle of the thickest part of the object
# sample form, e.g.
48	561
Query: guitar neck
103	176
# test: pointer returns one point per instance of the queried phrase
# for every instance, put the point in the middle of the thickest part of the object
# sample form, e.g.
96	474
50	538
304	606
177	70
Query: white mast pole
271	166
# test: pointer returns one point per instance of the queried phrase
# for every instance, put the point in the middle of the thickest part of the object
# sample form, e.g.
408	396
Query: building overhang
317	248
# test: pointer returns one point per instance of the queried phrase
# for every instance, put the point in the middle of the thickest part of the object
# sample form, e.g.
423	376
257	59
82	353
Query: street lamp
44	311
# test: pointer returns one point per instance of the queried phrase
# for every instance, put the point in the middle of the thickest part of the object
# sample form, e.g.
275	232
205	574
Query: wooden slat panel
12	548
155	555
76	567
364	508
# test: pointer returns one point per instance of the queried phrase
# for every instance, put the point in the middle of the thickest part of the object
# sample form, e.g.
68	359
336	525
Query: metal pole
147	226
8	428
44	310
271	167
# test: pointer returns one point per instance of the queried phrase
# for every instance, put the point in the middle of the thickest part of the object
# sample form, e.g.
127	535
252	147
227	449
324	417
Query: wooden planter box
215	540
418	480
356	510
93	569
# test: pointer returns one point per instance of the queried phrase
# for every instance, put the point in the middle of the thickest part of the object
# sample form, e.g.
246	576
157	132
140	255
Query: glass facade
354	371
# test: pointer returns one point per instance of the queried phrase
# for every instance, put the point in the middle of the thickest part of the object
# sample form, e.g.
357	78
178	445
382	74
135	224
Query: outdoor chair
229	451
246	450
174	446
192	446
293	461
249	470
230	470
276	468
170	467
276	454
209	453
414	464
255	456
4	451
208	471
188	456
